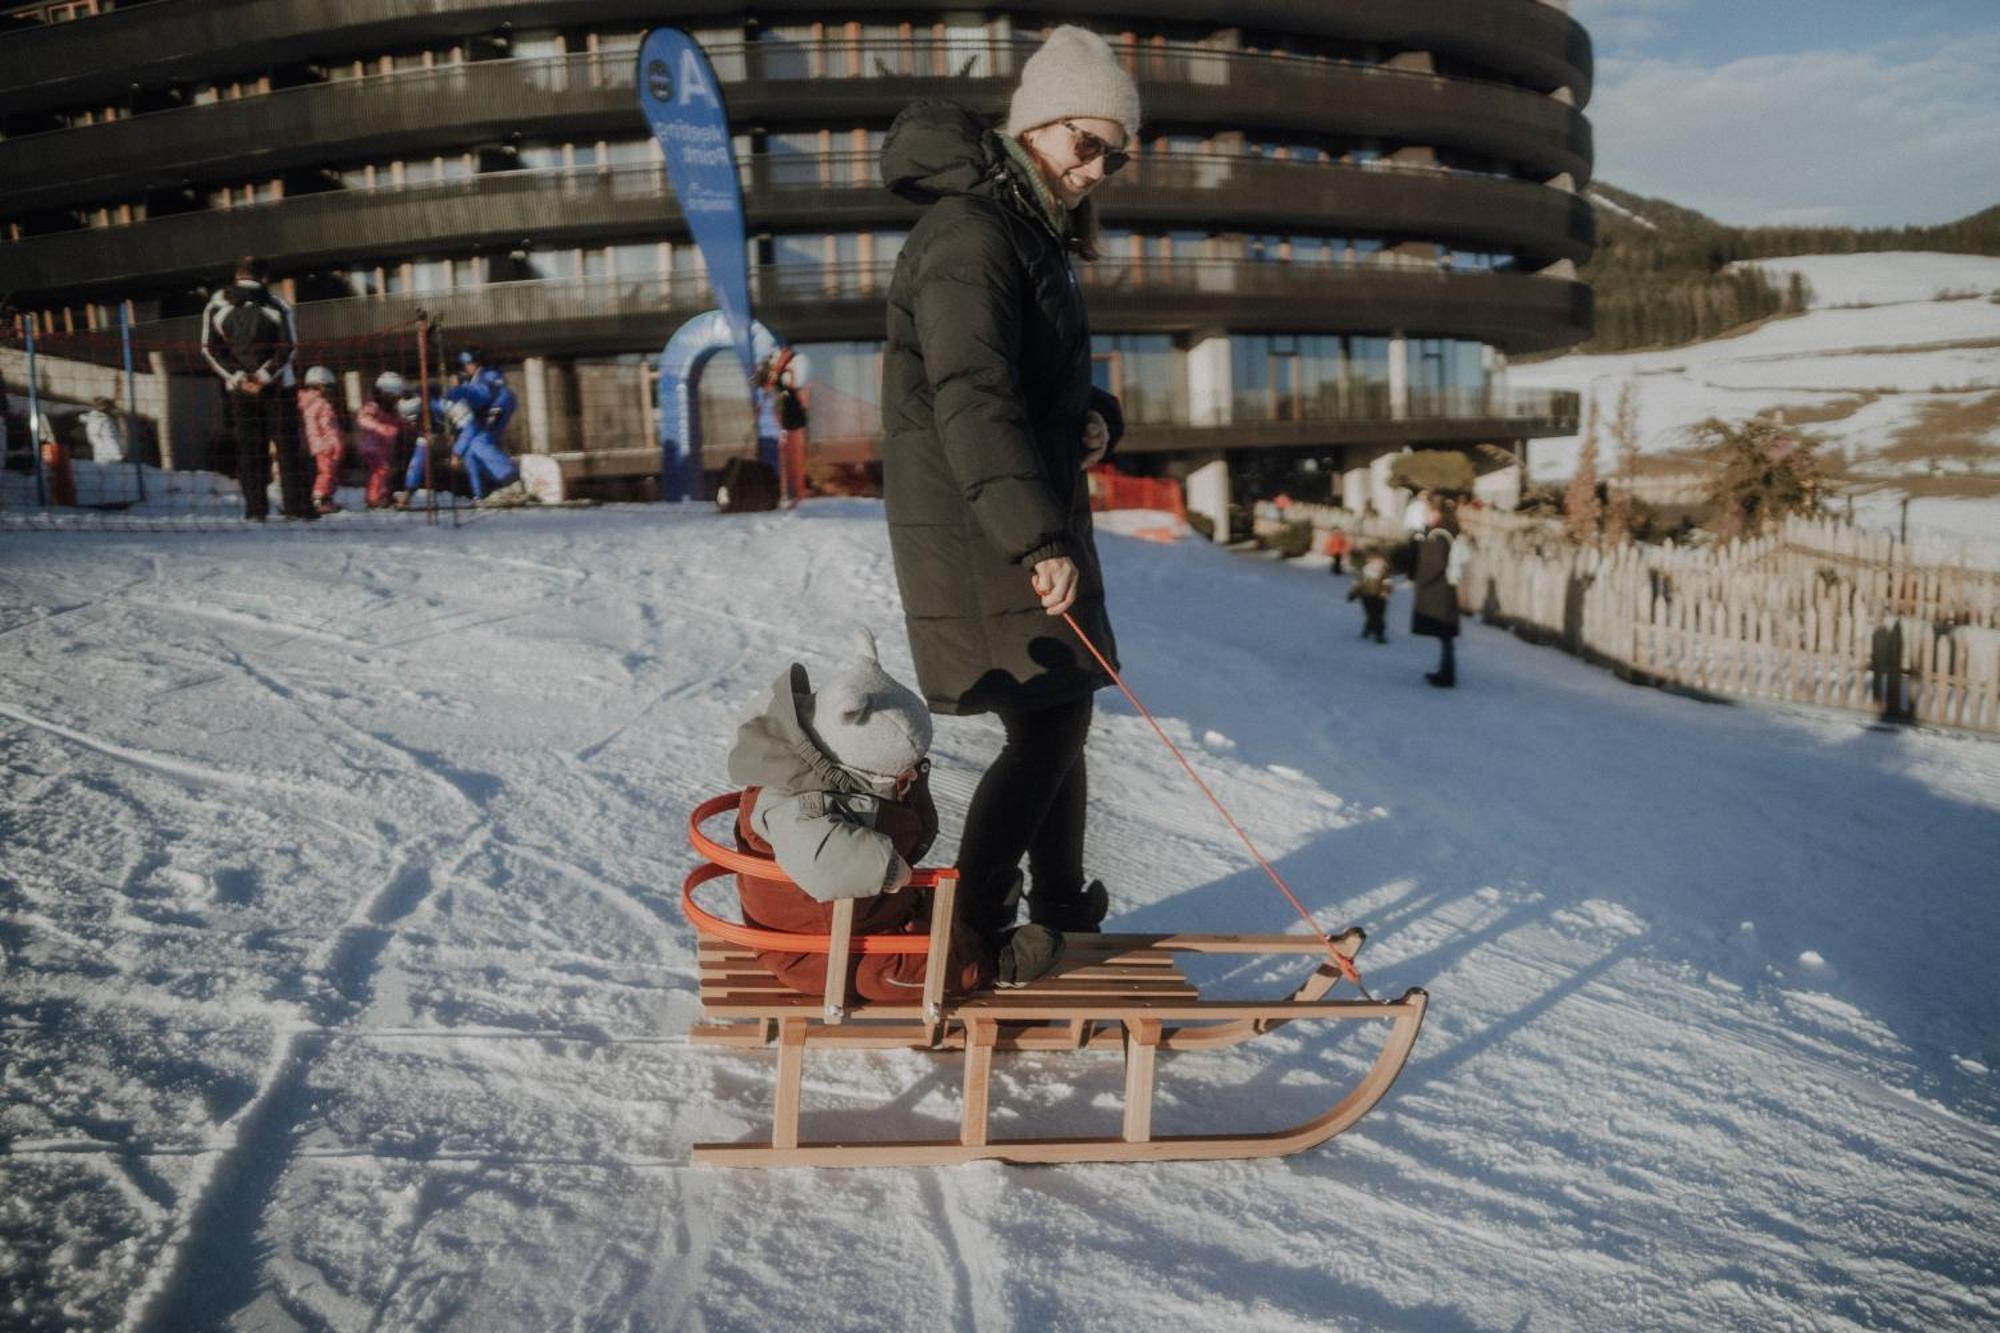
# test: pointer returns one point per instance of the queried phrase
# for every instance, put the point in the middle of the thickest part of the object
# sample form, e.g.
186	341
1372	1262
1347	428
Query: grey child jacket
819	818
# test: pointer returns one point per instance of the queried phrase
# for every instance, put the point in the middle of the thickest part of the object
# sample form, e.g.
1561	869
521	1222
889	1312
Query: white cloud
1900	133
1621	23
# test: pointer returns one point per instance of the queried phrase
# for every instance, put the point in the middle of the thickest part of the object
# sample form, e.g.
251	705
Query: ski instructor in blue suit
478	409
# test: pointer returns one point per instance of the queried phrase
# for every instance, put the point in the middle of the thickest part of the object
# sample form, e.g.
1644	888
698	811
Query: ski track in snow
339	916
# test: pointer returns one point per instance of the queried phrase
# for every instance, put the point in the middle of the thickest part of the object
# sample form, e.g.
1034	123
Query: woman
990	418
1436	610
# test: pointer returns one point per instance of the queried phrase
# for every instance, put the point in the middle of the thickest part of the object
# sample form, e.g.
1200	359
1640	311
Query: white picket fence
1815	612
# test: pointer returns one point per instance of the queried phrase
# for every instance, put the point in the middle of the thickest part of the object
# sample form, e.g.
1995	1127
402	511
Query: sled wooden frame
1122	992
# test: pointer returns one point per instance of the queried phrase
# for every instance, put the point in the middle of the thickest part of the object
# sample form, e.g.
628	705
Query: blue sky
1861	112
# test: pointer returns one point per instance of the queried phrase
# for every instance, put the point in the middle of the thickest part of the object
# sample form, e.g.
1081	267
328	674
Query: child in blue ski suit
477	409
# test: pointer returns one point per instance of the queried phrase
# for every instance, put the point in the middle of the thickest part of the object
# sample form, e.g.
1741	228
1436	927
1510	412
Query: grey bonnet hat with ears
1075	74
868	721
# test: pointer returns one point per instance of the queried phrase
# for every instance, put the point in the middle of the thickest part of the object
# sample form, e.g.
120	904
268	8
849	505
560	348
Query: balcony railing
180	43
819	192
464	103
564	315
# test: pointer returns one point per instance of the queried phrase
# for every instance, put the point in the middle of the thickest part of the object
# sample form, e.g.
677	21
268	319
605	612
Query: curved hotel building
1341	218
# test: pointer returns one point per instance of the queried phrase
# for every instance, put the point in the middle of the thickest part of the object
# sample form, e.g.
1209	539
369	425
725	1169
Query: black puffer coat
985	386
1435	612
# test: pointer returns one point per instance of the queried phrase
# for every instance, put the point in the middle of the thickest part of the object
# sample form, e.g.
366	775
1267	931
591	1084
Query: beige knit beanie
1074	74
867	721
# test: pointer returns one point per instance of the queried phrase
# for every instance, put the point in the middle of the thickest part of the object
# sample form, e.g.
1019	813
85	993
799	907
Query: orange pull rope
1340	960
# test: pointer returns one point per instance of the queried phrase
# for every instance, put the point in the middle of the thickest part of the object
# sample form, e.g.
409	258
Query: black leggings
1030	801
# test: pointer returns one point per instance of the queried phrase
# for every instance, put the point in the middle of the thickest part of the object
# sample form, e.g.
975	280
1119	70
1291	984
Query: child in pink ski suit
322	429
379	436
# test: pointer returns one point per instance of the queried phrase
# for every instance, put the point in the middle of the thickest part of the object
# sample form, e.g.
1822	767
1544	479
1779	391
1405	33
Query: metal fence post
131	401
35	419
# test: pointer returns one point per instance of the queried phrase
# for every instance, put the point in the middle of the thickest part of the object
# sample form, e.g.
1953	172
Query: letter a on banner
682	102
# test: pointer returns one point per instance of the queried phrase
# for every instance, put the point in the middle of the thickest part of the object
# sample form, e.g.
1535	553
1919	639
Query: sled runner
1114	992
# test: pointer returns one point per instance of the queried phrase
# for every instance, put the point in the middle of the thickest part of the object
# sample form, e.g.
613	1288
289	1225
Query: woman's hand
1096	439
1055	584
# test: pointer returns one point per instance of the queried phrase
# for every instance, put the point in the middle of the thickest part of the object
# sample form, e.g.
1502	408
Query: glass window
794	158
1145	372
725	51
786	51
551	263
801	263
631	152
596	262
847	255
535	45
1250	356
884	53
846	381
636	261
1368	376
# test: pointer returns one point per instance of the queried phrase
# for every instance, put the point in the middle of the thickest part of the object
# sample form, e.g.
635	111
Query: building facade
1341	218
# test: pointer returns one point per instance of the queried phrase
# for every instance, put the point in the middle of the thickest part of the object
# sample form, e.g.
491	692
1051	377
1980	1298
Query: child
838	793
322	426
1371	588
1337	545
380	433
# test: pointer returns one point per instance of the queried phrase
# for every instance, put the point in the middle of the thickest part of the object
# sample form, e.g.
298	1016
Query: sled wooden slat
1106	1006
1114	993
1373	1086
740	975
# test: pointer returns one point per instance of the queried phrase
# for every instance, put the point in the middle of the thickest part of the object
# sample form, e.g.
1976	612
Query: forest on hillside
1661	276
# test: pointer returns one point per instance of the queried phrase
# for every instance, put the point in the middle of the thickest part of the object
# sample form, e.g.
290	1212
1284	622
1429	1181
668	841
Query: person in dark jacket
248	338
1436	610
990	418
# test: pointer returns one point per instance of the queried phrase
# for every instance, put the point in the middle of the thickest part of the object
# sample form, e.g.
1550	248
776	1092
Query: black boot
1080	913
991	915
1027	953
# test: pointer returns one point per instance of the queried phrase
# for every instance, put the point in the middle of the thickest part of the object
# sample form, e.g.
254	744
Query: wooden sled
1109	992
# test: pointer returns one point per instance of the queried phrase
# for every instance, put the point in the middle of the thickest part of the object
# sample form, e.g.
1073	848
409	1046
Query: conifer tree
1764	472
1581	513
1625	440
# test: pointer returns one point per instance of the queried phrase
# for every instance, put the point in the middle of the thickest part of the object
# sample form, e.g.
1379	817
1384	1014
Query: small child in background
1371	589
1337	545
838	792
323	438
380	433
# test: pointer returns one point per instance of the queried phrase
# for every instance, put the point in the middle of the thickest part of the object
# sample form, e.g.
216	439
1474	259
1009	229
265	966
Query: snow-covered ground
346	985
1897	363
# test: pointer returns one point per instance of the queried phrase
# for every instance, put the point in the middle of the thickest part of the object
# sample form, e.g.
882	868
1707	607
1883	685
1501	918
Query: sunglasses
1089	148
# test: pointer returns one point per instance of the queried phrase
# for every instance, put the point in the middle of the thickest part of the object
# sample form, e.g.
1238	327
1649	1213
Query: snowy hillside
1904	387
346	985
